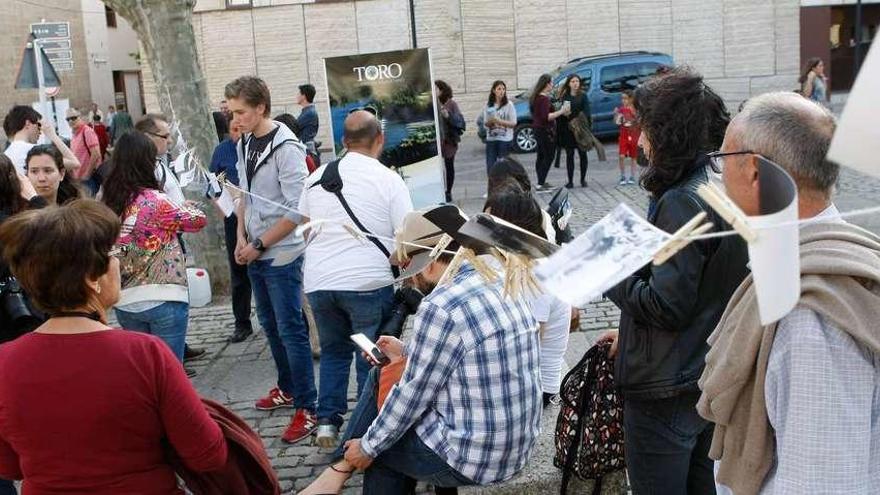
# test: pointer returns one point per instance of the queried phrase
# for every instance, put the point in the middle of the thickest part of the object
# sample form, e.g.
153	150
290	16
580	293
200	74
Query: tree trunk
165	30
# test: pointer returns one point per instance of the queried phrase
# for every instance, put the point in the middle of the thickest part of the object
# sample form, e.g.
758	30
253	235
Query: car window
586	76
618	78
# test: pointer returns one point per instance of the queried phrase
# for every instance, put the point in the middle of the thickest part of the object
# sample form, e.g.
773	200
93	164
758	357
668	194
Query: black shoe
189	372
569	186
239	335
584	183
191	352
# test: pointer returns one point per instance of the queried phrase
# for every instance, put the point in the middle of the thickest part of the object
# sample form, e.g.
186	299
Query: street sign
55	37
50	45
51	30
58	55
27	72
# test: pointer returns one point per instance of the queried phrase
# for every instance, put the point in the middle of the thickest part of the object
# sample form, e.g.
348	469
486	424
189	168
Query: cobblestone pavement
237	374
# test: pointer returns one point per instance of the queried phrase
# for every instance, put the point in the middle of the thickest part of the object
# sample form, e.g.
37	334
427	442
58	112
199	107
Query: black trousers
667	447
569	163
545	154
241	283
449	163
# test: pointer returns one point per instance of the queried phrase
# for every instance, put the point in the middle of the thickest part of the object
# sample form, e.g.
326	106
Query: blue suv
605	77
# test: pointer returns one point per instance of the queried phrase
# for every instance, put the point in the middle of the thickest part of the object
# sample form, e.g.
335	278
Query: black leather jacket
669	311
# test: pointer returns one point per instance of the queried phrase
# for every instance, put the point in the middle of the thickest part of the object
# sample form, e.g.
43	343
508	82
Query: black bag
589	431
331	182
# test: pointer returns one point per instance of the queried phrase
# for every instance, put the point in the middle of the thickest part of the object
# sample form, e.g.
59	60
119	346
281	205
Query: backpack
589	431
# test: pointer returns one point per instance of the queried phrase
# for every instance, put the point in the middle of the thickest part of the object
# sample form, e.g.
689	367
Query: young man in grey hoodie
271	169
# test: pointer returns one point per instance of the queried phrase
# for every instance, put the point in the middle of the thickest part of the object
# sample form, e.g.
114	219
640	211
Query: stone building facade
743	47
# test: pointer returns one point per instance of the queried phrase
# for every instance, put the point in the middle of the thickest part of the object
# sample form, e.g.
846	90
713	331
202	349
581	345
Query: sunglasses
72	119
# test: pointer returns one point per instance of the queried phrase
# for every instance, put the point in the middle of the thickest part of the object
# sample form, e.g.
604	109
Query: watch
258	245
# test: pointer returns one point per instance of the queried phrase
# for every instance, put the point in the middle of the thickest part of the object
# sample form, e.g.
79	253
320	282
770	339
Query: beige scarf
840	279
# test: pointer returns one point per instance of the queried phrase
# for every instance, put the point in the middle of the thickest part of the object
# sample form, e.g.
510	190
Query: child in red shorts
628	142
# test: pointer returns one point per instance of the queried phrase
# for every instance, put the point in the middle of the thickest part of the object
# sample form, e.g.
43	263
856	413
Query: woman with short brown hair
85	408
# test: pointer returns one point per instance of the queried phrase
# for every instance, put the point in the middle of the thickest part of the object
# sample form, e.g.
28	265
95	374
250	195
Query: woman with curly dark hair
154	297
669	311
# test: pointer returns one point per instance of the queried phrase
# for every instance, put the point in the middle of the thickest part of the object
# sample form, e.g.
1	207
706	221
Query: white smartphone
370	348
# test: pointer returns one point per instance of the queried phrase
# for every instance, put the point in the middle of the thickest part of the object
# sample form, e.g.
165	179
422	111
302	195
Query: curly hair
682	119
133	169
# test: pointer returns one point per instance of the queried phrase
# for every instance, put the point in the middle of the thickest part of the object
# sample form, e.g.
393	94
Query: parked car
605	78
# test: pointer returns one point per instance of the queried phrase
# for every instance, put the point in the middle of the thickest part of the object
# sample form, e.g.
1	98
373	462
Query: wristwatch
258	245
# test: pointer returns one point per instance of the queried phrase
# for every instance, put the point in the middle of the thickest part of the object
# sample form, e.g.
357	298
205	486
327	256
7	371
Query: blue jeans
496	150
407	461
278	294
667	446
338	315
167	321
7	488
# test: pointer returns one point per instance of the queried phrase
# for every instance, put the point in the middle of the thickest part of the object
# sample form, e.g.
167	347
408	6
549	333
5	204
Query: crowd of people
714	402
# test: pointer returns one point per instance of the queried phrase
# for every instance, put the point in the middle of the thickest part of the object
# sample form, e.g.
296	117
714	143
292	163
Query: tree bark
165	30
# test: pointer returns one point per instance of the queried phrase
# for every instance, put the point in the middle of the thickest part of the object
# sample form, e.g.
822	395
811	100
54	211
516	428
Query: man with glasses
23	126
155	127
801	415
86	147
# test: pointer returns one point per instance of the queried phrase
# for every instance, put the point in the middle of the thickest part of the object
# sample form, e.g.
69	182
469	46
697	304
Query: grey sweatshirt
278	177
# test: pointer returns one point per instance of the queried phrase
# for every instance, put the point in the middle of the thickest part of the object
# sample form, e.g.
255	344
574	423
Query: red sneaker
274	400
302	426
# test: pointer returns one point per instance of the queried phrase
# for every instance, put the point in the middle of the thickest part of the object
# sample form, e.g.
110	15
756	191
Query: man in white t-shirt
349	281
23	126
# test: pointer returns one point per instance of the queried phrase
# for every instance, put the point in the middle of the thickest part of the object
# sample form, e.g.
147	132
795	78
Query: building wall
14	30
98	53
743	47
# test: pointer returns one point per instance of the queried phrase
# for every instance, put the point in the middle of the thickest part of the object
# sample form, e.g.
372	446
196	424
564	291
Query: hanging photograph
398	88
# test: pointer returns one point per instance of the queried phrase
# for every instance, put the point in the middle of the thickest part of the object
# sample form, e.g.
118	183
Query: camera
14	307
406	302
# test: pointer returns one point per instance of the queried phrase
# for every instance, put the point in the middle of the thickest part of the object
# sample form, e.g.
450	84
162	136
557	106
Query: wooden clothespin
728	210
680	238
442	244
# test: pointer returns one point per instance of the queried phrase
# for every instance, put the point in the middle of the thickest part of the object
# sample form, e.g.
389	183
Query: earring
98	289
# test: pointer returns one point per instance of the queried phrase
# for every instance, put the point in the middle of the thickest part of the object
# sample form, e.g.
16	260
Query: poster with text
398	88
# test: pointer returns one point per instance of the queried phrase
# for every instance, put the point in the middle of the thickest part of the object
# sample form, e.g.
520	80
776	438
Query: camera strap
331	182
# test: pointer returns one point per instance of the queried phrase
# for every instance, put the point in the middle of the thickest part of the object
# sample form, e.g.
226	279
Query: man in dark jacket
669	311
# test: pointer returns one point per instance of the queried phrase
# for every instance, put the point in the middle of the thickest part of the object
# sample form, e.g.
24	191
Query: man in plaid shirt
467	409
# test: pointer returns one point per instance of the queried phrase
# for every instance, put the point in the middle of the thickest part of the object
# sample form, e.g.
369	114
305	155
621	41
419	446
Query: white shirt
168	181
554	317
379	198
17	152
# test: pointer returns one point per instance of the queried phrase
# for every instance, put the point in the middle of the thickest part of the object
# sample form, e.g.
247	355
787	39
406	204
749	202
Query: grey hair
793	132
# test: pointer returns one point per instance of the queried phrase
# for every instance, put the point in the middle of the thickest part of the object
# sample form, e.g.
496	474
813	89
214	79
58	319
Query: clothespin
357	234
442	244
680	238
728	210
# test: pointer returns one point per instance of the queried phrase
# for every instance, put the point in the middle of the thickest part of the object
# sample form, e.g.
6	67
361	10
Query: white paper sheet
181	163
774	256
856	142
187	177
609	251
226	203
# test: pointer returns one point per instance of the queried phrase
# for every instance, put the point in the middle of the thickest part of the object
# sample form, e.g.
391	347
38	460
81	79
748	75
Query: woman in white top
509	202
499	118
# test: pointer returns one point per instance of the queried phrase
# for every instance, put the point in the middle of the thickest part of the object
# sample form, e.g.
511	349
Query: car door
614	79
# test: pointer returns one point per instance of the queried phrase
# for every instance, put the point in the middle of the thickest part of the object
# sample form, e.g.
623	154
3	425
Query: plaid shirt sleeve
432	354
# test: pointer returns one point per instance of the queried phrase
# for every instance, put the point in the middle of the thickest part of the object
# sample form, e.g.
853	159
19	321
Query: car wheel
524	140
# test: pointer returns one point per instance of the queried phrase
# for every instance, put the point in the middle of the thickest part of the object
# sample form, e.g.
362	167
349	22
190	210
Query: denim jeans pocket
677	413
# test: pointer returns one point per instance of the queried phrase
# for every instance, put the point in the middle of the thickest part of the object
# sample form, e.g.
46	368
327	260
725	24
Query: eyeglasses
367	109
160	136
72	119
716	158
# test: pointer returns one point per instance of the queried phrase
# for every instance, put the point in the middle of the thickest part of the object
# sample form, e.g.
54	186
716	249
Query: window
238	4
110	14
586	76
619	78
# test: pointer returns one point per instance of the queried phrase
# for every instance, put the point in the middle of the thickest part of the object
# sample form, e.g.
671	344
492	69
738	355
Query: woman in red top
540	106
85	408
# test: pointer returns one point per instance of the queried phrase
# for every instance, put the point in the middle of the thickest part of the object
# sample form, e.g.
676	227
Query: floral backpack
589	431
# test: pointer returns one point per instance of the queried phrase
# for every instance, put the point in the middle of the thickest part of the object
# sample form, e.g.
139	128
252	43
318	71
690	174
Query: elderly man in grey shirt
797	404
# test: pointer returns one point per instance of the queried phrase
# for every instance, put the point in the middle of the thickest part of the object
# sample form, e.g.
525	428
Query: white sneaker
622	181
631	181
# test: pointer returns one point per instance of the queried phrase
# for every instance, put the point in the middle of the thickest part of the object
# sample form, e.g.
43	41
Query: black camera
406	302
14	307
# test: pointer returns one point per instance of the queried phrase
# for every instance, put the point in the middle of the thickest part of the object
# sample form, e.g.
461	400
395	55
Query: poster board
398	86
